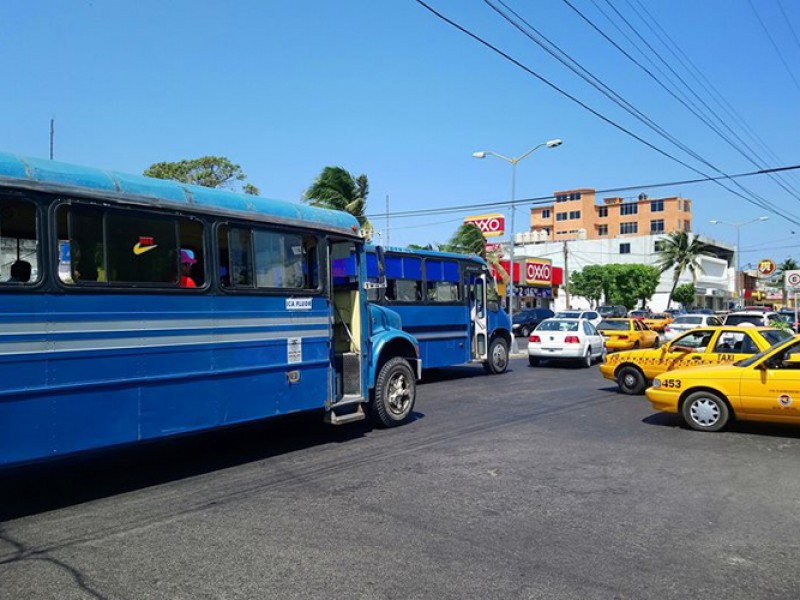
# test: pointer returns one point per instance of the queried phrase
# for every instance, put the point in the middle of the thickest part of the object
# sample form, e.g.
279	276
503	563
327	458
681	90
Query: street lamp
738	226
513	162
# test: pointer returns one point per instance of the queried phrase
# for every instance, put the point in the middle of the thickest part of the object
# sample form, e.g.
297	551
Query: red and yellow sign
766	266
538	272
490	225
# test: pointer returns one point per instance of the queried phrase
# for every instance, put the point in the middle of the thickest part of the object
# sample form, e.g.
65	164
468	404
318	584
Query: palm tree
681	252
337	189
787	265
468	239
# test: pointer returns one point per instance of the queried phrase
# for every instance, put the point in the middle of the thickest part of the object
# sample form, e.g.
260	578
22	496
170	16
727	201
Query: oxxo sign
538	272
490	225
766	266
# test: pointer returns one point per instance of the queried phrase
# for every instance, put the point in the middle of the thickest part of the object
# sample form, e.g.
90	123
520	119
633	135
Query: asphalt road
540	483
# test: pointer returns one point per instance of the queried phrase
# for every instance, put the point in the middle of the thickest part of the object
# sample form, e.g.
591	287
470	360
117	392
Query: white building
715	283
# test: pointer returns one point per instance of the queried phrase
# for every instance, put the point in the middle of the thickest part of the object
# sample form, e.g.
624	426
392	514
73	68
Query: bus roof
431	253
58	177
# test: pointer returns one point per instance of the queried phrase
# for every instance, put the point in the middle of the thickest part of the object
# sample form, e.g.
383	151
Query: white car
592	316
566	339
758	318
684	323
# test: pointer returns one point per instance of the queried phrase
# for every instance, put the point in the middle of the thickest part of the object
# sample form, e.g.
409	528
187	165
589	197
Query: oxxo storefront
536	282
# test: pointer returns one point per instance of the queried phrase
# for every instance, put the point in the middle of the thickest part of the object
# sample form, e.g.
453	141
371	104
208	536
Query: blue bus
443	300
134	308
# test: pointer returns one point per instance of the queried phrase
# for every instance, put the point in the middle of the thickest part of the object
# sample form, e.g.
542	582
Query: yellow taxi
627	334
704	346
658	321
764	387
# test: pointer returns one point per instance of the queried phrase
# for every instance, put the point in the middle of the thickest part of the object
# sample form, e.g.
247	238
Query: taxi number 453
671	383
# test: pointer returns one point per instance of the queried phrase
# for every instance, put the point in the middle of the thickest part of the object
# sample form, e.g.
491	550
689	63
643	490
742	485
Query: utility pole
566	274
387	219
52	136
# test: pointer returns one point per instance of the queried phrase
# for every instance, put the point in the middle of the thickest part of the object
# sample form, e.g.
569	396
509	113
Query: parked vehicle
627	334
760	388
639	314
755	317
566	339
658	321
704	346
526	321
701	311
687	322
590	315
612	312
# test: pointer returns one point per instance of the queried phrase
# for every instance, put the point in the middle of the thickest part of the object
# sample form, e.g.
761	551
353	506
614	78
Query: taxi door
772	388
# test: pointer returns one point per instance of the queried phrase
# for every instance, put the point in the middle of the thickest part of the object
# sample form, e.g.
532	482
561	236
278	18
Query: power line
774	45
549	198
762	203
688	104
789	23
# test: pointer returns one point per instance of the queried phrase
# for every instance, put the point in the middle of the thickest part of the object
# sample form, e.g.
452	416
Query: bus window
19	244
441	281
268	259
403	278
114	247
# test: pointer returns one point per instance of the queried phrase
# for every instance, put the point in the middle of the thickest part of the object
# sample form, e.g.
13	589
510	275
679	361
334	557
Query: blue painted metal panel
86	371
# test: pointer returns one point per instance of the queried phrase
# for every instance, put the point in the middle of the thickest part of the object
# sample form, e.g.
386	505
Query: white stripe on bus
140	342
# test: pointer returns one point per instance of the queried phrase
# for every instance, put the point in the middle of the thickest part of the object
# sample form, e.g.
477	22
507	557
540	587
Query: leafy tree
681	252
685	294
420	247
208	171
467	239
624	284
590	283
337	189
632	283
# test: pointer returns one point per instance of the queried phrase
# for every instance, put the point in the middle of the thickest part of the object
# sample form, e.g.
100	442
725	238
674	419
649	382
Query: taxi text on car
764	387
703	346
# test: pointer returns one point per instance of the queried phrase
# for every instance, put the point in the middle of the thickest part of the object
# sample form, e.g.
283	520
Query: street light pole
738	227
513	162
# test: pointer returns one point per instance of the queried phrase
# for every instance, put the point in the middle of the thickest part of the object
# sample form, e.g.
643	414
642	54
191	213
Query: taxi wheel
631	381
705	411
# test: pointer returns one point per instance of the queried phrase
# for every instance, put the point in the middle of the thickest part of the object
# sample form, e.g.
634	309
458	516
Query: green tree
632	283
337	189
590	282
467	239
681	251
208	171
685	294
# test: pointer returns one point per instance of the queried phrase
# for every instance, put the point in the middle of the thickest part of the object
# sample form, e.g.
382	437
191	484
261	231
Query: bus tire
498	357
395	393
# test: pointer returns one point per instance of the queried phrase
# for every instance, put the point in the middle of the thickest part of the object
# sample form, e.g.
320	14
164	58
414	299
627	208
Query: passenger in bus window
187	261
20	272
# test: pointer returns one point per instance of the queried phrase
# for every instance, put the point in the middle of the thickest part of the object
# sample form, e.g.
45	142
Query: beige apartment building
576	215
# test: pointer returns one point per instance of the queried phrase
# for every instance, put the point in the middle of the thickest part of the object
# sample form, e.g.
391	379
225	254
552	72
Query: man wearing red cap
187	260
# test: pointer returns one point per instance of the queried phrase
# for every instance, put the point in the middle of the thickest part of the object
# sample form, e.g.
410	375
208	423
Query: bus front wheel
395	392
498	357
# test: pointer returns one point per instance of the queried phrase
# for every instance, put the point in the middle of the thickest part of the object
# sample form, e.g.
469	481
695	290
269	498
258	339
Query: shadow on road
67	481
735	427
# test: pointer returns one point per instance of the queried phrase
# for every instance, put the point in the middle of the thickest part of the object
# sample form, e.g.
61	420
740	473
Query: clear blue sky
384	88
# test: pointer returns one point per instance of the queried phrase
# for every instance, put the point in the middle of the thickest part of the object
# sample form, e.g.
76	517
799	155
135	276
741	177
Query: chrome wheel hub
499	357
398	394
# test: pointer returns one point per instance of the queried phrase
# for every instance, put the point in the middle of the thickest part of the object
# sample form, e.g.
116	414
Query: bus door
347	312
475	284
